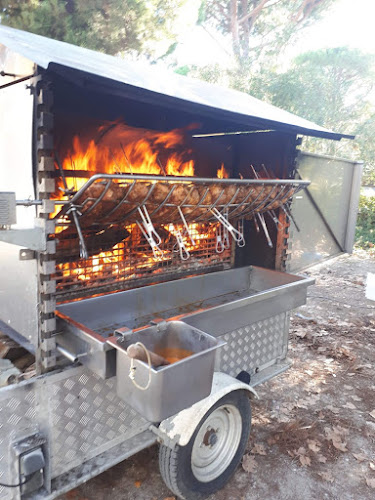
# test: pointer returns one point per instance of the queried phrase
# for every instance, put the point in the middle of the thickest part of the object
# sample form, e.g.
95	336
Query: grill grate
131	263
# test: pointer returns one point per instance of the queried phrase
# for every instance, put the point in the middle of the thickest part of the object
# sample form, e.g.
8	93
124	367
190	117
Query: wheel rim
216	443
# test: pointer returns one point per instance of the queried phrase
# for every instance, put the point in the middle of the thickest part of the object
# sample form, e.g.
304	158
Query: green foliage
109	26
259	28
365	230
329	86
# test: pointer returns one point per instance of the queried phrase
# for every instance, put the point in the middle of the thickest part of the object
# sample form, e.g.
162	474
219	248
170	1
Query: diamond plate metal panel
79	413
87	418
254	347
18	416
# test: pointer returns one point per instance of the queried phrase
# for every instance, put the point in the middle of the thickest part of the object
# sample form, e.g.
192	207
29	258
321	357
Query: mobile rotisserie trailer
115	233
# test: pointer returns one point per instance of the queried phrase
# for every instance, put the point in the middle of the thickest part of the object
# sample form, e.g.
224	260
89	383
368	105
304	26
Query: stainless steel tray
217	303
173	387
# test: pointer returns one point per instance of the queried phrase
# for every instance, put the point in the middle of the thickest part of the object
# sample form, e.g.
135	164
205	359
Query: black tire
176	464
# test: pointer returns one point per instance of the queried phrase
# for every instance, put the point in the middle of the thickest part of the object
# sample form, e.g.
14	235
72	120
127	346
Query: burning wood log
101	239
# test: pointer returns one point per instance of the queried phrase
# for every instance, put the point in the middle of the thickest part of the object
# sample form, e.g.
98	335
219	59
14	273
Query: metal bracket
26	254
33	238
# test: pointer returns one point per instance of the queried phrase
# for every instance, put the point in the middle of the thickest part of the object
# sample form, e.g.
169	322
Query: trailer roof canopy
153	84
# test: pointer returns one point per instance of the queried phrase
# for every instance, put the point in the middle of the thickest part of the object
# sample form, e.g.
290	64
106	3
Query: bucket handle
133	369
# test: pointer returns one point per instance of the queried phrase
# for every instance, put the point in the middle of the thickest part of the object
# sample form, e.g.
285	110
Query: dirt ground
313	434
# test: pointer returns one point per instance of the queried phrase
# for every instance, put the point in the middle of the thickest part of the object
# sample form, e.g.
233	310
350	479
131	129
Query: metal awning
161	85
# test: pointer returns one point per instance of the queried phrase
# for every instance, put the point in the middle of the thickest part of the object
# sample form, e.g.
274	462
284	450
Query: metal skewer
264	227
287	211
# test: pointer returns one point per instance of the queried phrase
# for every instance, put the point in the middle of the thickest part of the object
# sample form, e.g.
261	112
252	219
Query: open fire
121	252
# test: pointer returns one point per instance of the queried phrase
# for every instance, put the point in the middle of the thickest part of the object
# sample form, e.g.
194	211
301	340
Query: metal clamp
236	235
148	225
181	247
241	230
156	250
219	241
222	238
83	253
186	225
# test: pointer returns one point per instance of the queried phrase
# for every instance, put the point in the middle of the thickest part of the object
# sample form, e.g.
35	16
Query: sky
348	22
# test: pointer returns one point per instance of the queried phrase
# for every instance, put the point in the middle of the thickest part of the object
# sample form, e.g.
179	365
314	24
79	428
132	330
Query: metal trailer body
71	411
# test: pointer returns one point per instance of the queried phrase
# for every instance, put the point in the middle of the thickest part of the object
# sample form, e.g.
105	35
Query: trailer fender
178	429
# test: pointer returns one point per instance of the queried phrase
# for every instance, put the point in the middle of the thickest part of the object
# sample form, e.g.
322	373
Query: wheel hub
216	443
210	438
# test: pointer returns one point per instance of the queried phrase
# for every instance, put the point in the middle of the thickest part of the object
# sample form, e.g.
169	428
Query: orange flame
222	173
122	149
115	148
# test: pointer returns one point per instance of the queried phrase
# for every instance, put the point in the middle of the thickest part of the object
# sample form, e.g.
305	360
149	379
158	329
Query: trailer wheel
214	451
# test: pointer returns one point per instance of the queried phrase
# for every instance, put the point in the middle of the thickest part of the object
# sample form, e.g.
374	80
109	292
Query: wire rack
114	198
110	199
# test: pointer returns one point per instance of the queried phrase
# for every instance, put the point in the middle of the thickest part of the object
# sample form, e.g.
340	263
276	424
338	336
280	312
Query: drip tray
217	303
158	393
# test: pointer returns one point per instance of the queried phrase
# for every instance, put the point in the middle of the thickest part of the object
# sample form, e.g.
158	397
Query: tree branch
305	10
255	12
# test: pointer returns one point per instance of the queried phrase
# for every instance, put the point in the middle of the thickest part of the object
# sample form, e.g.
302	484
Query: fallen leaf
350	406
249	464
339	445
258	449
304	460
333	409
321	458
337	429
372	465
301	403
348	387
372	413
370	482
334	435
356	398
327	476
137	484
313	445
271	440
301	451
360	457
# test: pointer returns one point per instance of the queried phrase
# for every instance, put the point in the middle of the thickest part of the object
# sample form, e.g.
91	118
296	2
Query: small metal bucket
173	387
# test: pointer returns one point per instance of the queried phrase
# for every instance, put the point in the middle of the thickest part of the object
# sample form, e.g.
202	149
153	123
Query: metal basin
172	387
